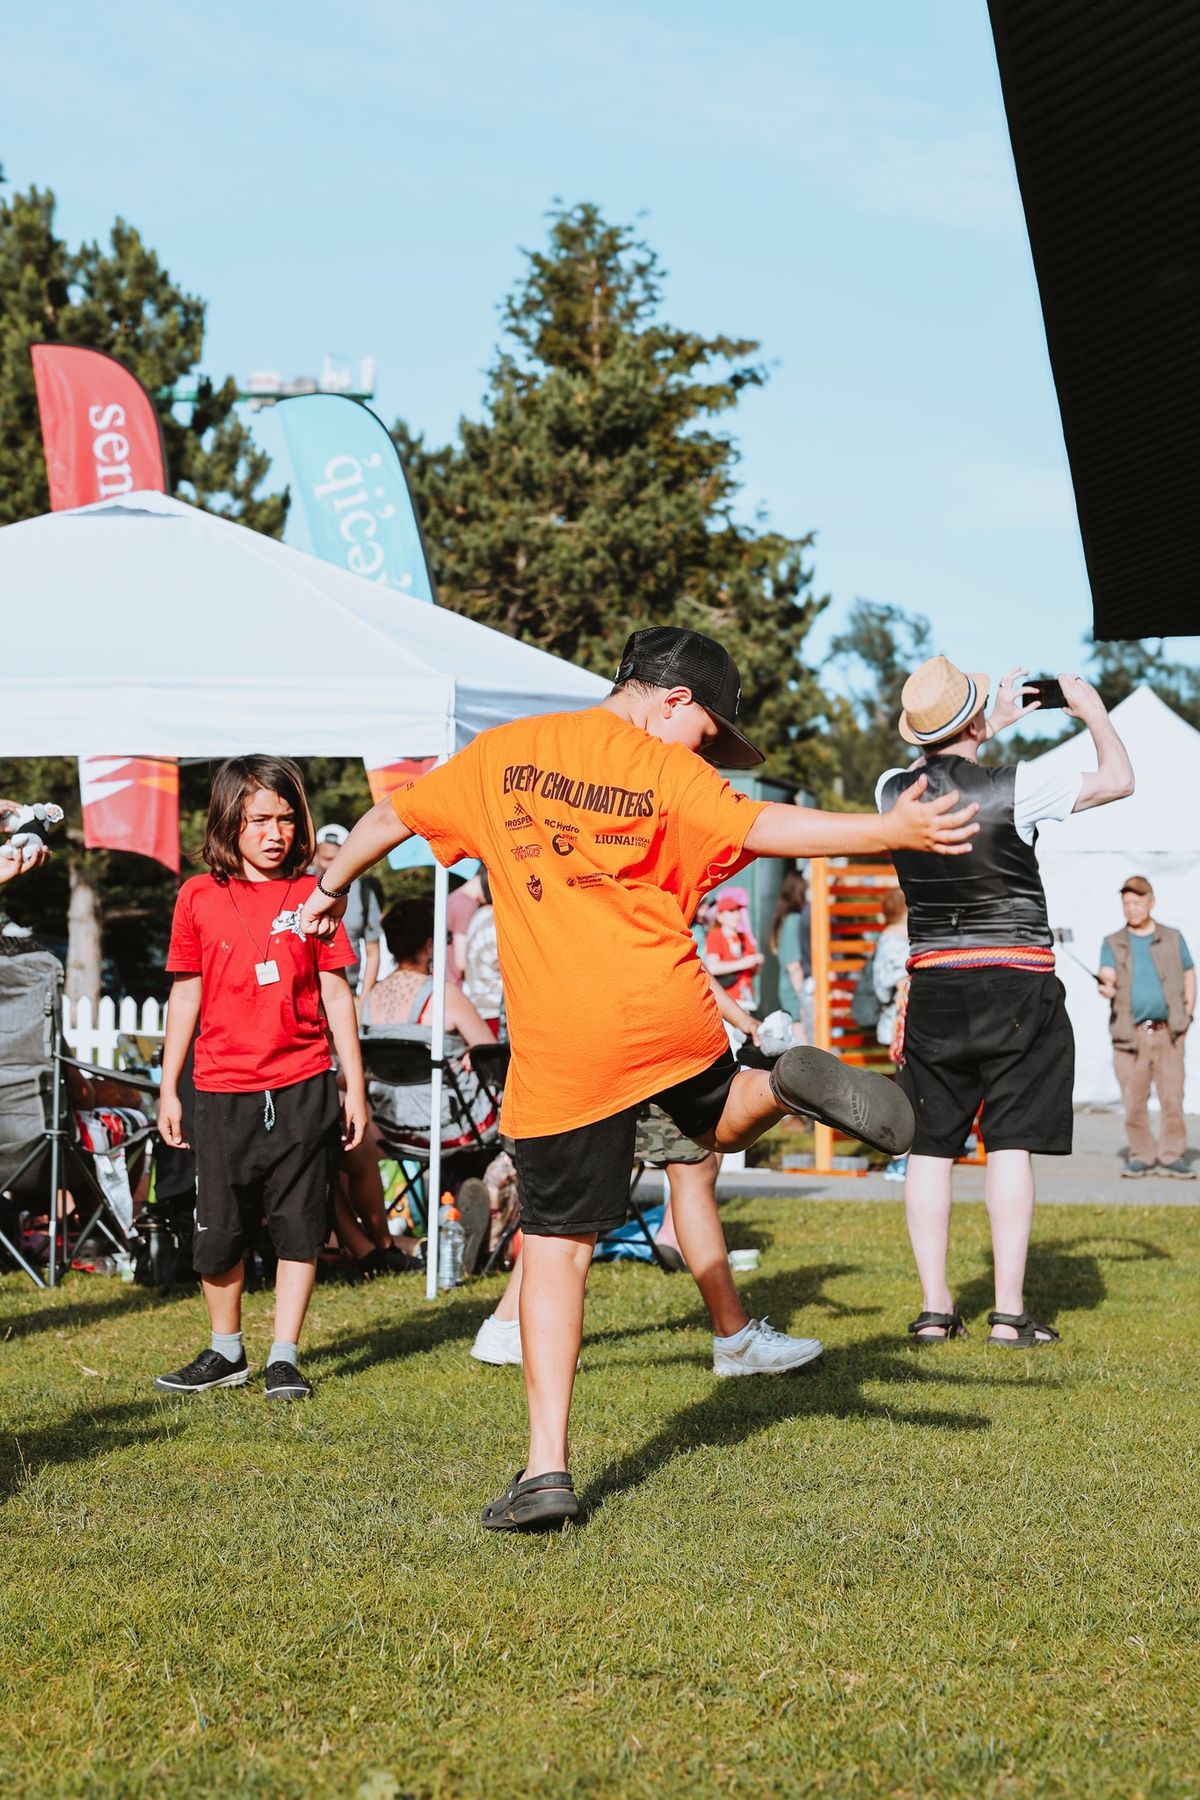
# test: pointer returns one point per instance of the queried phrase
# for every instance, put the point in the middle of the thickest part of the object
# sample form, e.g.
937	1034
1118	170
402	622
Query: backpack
865	1004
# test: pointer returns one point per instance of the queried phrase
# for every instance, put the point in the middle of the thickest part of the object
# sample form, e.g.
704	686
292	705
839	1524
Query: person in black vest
986	1023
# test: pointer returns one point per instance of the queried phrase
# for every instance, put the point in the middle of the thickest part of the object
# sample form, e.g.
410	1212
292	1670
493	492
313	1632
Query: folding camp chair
657	1145
39	1138
398	1064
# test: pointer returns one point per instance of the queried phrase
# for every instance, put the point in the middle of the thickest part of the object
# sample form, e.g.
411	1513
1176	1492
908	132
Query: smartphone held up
1047	693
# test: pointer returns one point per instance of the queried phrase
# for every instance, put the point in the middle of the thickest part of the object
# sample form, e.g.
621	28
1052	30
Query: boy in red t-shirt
600	831
269	1122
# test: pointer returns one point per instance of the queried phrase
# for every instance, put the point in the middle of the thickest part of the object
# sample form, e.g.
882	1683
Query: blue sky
834	180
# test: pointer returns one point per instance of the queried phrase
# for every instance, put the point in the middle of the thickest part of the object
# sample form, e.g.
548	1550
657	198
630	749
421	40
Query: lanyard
265	972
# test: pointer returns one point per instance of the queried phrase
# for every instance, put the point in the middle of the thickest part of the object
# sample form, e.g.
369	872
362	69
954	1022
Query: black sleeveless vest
993	896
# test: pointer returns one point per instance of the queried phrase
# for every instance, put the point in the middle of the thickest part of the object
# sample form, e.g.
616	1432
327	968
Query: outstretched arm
912	824
377	832
1113	779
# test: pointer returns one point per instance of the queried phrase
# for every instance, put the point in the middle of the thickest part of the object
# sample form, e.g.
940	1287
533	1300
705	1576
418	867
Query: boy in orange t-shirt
601	830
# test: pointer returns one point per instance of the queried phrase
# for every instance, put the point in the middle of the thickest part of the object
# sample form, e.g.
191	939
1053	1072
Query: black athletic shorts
247	1169
1000	1037
576	1182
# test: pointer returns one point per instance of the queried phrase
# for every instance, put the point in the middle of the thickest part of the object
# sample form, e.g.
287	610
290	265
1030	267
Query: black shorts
574	1183
1000	1037
245	1171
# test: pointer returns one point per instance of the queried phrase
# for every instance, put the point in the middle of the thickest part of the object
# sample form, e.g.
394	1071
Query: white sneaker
497	1341
764	1351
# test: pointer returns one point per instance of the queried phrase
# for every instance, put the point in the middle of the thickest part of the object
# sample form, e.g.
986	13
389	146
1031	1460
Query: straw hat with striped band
938	700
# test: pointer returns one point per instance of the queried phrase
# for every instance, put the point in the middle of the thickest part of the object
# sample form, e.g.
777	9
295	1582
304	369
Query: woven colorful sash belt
1033	958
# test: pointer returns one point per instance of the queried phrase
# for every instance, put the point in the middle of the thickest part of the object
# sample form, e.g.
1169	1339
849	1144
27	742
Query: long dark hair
792	896
233	784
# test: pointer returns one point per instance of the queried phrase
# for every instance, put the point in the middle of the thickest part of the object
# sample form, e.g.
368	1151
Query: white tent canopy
1085	859
145	626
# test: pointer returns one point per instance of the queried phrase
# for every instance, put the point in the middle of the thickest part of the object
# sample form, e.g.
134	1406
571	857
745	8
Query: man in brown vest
1147	976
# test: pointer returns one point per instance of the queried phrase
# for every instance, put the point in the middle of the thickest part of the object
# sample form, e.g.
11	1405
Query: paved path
1091	1176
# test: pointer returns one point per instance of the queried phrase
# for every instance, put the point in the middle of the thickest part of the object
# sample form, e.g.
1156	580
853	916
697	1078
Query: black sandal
542	1504
1026	1329
951	1323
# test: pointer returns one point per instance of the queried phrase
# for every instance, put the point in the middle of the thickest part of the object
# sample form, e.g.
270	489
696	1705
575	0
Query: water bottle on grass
450	1244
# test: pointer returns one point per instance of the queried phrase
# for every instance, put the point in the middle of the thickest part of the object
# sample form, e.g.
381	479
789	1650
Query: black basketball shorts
575	1183
999	1038
248	1169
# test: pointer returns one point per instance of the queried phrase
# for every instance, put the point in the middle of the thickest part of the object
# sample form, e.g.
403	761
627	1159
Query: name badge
266	973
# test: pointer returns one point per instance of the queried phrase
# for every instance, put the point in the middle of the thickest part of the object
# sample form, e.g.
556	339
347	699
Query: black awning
1103	103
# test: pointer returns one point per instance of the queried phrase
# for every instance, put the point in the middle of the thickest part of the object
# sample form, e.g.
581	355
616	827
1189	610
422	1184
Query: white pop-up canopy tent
144	626
1085	859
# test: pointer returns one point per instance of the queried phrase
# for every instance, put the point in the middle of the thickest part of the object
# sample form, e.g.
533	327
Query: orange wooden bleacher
844	899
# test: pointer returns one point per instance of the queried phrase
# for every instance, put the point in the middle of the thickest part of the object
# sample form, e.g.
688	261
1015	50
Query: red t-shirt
251	1036
730	948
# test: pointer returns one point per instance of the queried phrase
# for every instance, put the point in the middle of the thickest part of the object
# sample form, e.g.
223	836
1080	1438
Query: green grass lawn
946	1572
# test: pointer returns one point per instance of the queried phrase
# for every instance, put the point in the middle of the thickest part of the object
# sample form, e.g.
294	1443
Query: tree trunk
83	936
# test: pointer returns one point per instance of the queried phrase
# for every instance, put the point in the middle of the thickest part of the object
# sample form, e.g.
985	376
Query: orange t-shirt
599	841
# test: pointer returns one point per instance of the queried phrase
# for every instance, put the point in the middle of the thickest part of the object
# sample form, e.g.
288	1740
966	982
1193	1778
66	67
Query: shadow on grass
87	1310
831	1388
446	1320
788	1292
1064	1275
93	1431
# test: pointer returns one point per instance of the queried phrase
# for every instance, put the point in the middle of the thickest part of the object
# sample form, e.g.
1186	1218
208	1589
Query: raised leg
750	1109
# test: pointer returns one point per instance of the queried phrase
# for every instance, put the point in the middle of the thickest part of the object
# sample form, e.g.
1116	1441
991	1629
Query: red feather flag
131	803
100	431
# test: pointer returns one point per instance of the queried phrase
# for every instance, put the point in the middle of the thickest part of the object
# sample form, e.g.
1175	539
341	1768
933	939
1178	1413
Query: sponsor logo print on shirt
623	838
523	852
535	886
520	821
587	881
561	844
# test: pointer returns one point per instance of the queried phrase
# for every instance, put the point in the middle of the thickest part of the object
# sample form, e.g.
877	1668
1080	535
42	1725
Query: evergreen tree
597	494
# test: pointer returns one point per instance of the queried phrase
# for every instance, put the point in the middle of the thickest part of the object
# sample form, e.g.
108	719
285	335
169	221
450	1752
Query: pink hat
732	896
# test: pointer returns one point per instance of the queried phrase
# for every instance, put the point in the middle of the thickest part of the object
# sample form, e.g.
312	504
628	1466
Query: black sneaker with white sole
854	1101
285	1382
208	1370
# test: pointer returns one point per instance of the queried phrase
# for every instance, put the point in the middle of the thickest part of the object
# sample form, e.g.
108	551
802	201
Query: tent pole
441	890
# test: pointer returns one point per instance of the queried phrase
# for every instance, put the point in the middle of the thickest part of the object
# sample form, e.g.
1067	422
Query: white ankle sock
739	1338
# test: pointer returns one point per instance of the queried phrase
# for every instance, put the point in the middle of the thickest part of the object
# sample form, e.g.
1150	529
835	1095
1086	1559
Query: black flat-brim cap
669	657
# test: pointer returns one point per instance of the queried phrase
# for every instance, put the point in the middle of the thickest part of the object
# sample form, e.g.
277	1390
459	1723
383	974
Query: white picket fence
94	1034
